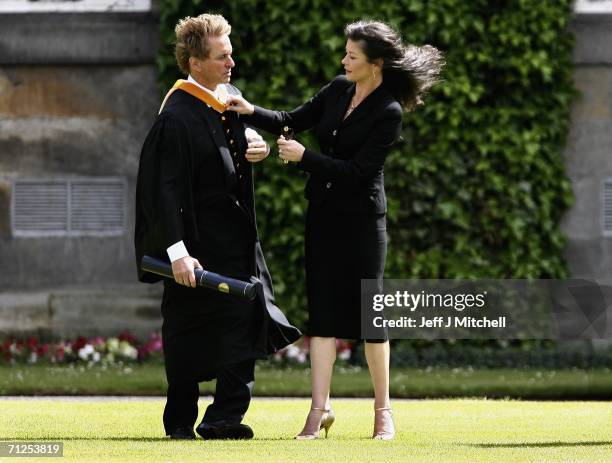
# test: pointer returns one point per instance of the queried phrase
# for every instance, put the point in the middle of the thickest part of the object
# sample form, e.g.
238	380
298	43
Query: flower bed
98	350
126	348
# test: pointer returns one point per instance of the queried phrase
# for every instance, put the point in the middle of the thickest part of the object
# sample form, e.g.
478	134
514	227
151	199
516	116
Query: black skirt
341	250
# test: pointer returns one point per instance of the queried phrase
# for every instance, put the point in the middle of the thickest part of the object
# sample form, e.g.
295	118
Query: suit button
328	185
222	118
334	133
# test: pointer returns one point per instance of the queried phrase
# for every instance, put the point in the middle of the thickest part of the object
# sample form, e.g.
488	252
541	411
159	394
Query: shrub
477	187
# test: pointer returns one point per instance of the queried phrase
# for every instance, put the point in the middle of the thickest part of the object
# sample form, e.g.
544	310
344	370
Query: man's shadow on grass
542	444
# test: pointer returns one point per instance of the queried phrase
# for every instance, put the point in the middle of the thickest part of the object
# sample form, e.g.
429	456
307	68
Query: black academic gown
188	189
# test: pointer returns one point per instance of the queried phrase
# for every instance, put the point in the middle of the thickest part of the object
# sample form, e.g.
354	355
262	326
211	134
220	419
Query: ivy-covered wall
477	187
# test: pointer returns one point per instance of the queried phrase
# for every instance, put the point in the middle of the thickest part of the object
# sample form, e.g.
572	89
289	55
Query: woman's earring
373	73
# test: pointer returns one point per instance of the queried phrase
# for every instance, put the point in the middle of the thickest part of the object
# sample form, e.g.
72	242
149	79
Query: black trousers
231	399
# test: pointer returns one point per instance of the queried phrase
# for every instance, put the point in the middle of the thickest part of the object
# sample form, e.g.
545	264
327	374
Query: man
195	206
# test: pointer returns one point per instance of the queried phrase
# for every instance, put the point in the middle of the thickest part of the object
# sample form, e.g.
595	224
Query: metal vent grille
97	207
68	207
606	207
40	207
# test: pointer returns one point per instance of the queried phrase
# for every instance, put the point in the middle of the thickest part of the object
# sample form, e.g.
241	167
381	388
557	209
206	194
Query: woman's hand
290	150
238	104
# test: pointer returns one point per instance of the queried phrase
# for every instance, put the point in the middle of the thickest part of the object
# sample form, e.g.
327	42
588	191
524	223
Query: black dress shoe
224	431
184	433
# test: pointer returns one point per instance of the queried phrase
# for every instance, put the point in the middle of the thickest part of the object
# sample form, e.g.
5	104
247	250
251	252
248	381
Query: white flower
86	351
33	357
128	351
96	356
112	344
292	352
344	354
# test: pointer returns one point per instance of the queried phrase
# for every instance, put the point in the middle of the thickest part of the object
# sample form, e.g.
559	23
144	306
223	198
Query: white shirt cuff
251	134
177	251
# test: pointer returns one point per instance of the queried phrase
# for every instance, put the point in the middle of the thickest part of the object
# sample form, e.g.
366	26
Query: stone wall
588	152
78	93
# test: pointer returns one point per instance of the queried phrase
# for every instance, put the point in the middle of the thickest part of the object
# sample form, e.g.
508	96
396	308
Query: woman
357	118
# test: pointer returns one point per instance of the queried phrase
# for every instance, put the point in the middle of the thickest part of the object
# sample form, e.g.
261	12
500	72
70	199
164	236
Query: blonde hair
192	37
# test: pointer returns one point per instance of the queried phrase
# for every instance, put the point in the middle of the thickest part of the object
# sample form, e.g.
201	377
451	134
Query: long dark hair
409	71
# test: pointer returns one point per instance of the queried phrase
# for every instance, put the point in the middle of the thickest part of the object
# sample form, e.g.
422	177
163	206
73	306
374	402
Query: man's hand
258	149
182	270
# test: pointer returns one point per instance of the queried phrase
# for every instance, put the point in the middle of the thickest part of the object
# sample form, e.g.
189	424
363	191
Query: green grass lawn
118	430
410	383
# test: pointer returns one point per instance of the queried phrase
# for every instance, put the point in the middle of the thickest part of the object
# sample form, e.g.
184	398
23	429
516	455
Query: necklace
355	103
351	107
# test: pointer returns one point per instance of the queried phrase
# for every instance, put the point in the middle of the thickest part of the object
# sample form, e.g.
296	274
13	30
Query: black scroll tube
204	278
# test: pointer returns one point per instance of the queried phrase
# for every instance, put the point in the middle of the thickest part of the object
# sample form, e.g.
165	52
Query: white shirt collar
219	93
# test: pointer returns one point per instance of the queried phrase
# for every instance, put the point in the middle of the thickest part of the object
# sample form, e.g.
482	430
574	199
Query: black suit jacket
185	191
348	171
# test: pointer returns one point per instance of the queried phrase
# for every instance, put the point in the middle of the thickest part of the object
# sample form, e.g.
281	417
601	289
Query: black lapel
365	108
214	124
342	104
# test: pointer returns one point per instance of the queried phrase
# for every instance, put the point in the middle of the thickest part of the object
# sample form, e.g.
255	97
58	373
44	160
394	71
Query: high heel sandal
387	429
327	419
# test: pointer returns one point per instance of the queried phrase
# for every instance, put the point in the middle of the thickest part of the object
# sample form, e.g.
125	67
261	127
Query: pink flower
156	346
